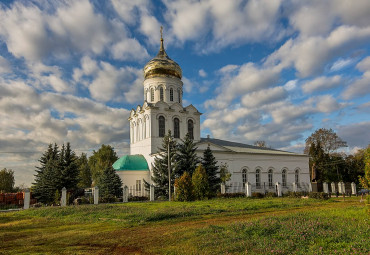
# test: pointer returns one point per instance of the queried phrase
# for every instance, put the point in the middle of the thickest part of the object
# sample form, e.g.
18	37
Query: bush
257	195
184	188
200	183
108	199
318	195
230	195
137	198
270	194
292	194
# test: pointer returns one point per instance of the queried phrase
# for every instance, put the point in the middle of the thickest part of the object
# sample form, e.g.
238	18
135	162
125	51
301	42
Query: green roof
131	163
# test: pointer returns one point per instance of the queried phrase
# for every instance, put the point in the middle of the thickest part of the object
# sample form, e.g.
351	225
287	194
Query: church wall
265	162
129	178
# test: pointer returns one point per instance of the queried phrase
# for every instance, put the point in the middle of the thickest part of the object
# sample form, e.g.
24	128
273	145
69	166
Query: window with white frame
161	94
176	125
283	177
244	176
171	94
296	179
258	178
138	185
161	126
270	179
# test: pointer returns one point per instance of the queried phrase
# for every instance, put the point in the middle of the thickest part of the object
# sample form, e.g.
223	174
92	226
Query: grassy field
219	226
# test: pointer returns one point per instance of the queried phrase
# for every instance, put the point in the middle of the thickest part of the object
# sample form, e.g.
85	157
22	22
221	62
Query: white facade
162	110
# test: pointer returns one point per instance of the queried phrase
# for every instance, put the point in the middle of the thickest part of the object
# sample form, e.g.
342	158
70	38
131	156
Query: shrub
230	195
292	194
138	198
107	199
200	183
257	195
184	188
318	195
270	194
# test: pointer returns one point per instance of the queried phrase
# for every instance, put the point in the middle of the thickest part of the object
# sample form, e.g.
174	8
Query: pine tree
160	166
186	157
84	176
200	183
184	188
110	185
210	165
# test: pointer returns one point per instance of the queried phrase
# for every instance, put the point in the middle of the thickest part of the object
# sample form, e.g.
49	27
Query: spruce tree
110	185
84	175
160	166
210	165
69	171
186	157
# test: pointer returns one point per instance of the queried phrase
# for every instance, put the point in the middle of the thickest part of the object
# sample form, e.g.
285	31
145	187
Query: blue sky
70	71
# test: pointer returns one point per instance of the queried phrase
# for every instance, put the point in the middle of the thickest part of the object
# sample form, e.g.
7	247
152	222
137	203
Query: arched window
283	177
179	95
161	94
296	179
191	129
176	126
244	176
161	126
258	178
171	94
151	95
270	178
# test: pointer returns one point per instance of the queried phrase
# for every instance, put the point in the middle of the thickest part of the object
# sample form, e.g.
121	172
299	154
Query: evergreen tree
69	170
186	157
100	160
109	183
210	165
46	177
184	188
200	183
84	176
160	166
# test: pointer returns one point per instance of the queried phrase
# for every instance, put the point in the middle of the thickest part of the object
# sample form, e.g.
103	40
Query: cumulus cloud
4	65
359	87
202	73
321	83
261	97
356	134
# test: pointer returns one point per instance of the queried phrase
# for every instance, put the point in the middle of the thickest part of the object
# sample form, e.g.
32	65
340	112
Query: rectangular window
138	185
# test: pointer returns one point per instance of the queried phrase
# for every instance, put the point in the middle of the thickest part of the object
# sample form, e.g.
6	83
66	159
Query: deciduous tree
184	188
328	139
6	180
100	160
200	183
85	179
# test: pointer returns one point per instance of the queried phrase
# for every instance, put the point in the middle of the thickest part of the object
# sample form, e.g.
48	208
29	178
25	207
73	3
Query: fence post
151	192
353	186
63	200
333	191
294	187
96	195
309	187
27	199
325	187
222	188
125	194
248	189
278	189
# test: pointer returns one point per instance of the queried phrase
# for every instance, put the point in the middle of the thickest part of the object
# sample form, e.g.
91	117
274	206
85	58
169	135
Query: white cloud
202	73
266	96
129	49
359	87
321	83
290	85
341	63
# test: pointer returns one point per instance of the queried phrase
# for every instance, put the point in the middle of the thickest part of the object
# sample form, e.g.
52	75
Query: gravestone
353	187
333	190
295	187
325	187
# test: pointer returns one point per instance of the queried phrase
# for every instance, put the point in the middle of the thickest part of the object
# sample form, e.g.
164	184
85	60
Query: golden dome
162	65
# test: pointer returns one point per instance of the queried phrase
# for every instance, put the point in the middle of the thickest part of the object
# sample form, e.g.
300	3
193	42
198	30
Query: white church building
163	110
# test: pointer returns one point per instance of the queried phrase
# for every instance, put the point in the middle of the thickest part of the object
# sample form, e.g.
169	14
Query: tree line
61	167
329	165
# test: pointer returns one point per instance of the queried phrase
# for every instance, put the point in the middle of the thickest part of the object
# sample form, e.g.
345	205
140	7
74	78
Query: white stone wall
129	178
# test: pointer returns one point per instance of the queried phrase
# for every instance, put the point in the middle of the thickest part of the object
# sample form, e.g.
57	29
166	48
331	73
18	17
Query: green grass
219	226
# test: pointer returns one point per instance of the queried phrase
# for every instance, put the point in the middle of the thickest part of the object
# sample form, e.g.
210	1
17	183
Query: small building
133	170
